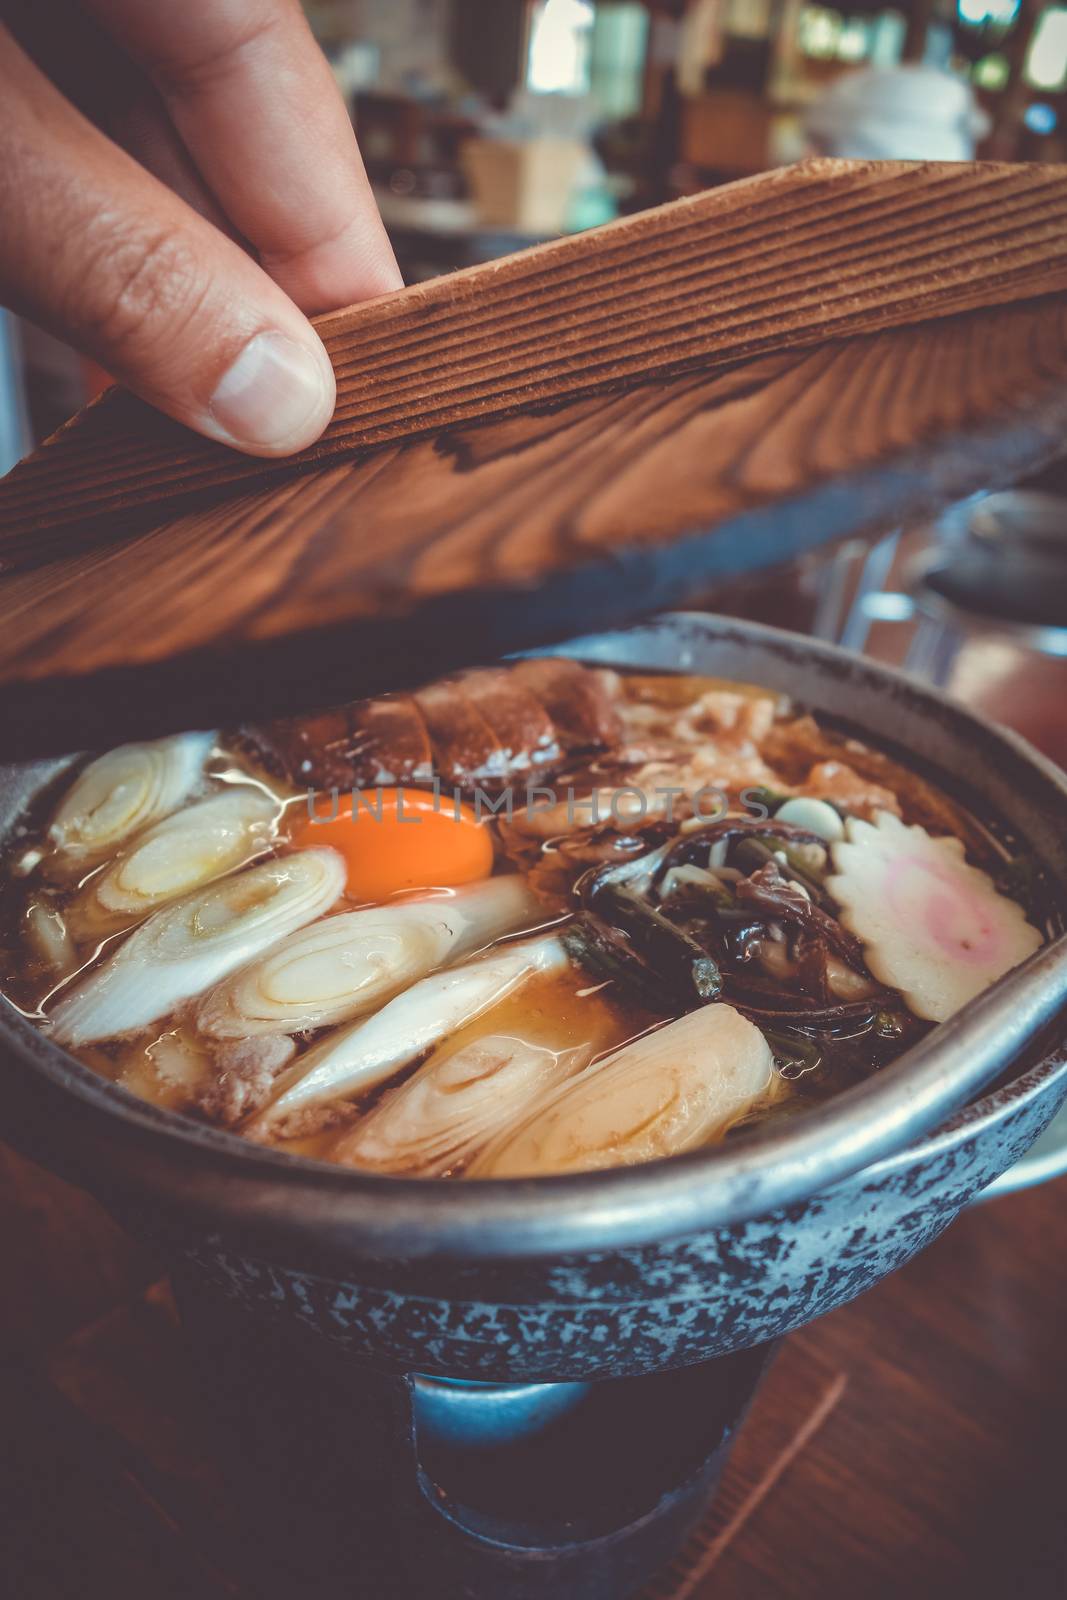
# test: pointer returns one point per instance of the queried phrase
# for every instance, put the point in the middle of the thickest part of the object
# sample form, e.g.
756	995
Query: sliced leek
194	943
188	849
454	1104
356	1058
120	793
666	1092
349	964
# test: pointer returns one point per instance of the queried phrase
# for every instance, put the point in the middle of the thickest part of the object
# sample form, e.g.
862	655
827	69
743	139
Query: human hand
183	251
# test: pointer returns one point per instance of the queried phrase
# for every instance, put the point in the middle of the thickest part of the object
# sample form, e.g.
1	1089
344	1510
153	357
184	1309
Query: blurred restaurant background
491	123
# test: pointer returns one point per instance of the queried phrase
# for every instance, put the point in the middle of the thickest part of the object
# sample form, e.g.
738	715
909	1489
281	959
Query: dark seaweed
607	952
688	967
771	893
694	847
700	942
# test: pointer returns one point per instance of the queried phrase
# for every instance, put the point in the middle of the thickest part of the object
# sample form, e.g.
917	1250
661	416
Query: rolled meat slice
577	698
489	726
388	743
466	749
305	751
523	731
381	741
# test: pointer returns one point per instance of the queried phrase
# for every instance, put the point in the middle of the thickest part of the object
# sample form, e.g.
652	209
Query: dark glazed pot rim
219	1178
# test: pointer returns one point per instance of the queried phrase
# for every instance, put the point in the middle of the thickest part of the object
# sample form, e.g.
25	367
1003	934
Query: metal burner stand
359	1483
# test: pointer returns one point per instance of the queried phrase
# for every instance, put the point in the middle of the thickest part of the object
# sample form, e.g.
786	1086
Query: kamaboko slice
931	925
185	851
456	1102
664	1093
120	793
349	964
356	1059
190	945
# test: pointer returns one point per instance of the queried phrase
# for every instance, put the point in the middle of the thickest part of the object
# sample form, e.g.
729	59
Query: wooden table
909	1444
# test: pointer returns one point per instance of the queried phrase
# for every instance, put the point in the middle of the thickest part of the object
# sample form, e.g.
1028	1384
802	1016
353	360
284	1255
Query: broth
644	913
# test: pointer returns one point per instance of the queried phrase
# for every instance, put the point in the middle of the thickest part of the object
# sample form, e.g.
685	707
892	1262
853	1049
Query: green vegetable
793	1054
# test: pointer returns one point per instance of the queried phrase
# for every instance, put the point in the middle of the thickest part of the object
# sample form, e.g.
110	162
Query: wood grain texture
793	1405
790	257
379	572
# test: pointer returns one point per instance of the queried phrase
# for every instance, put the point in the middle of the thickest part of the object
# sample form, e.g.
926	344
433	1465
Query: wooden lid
551	444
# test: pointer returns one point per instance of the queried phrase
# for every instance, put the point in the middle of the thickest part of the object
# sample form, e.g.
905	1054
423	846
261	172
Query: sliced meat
480	728
388	743
245	1070
306	750
794	747
842	784
577	699
525	733
370	742
744	717
465	748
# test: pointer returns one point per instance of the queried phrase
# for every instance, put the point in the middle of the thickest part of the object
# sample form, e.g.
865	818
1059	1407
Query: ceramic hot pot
612	1273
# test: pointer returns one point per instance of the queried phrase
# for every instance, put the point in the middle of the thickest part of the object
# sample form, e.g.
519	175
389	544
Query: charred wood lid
552	444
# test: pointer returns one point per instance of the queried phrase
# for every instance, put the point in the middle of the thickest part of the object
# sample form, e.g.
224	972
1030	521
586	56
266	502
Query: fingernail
276	397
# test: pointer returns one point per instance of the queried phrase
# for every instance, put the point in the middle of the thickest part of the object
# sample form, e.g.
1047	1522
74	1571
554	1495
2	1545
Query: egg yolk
399	839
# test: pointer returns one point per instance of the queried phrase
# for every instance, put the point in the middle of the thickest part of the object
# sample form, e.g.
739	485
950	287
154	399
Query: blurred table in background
432	235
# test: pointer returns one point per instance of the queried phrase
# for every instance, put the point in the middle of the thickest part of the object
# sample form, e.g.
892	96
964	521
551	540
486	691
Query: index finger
257	107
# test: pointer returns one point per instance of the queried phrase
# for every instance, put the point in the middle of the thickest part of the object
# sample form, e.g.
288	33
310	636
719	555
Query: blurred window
617	58
827	35
853	41
995	13
819	31
561	33
1046	61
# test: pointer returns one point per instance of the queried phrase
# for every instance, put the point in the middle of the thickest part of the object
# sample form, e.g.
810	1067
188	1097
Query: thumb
104	255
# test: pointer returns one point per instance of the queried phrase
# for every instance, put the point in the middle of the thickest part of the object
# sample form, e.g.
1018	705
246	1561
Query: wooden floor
911	1444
